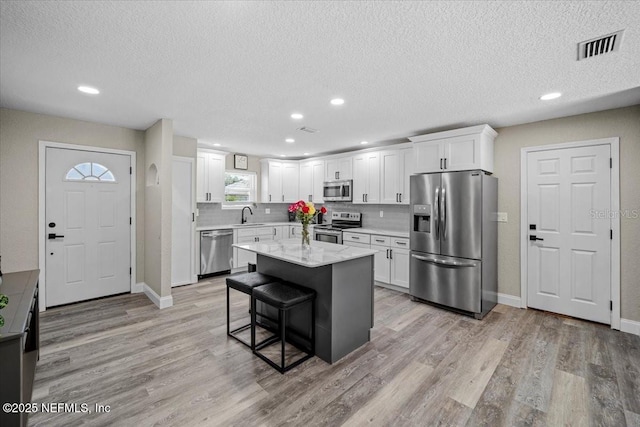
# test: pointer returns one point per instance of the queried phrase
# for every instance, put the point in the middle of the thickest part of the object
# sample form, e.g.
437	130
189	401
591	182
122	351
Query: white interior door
182	224
87	212
568	196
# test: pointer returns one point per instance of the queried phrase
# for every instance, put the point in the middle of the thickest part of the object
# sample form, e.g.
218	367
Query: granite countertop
319	254
392	233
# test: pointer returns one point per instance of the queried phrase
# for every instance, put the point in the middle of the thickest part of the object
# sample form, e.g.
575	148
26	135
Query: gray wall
623	123
158	209
20	132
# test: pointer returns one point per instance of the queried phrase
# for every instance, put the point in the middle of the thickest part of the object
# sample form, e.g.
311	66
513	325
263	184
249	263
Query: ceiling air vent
308	129
600	45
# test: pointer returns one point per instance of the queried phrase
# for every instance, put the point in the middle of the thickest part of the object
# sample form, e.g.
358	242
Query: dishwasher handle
216	233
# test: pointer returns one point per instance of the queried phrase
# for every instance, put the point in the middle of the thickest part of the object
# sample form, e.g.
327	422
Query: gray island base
342	277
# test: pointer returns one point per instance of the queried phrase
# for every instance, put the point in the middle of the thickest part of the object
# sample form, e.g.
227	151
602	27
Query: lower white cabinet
254	235
295	231
391	260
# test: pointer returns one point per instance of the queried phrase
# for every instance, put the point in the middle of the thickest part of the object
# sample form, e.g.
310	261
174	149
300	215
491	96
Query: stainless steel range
332	233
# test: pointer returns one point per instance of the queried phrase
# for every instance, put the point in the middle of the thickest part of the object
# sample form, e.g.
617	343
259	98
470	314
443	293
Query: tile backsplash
395	217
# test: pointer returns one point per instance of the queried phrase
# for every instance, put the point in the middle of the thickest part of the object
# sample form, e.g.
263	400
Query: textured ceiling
233	72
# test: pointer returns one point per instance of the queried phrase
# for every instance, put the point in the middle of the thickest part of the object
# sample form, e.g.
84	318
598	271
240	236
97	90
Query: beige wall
158	186
623	123
184	146
19	135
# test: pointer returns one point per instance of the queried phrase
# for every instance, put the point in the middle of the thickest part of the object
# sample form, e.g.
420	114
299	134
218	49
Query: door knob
53	236
534	238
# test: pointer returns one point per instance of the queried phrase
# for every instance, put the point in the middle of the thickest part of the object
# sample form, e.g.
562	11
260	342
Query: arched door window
90	172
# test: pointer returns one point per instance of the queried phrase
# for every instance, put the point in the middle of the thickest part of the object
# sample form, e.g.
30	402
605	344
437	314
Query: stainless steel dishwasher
216	252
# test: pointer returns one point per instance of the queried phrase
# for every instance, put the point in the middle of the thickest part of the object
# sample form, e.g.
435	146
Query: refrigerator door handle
444	261
437	212
443	214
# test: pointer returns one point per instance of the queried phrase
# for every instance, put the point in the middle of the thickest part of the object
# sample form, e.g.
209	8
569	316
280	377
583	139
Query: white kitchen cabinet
396	166
210	168
250	235
339	168
279	181
311	181
391	261
366	177
295	231
461	149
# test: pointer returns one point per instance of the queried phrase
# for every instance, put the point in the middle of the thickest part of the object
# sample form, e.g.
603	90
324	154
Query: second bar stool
284	297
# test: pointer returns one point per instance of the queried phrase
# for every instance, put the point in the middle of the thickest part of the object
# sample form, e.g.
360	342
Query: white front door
182	224
568	196
87	213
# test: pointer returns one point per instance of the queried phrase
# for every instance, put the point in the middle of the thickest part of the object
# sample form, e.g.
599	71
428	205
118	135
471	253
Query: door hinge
129	271
610	305
610	162
130	221
611	234
130	170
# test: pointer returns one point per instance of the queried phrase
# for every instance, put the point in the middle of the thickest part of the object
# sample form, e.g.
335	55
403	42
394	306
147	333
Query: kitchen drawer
380	240
264	231
399	242
254	239
356	237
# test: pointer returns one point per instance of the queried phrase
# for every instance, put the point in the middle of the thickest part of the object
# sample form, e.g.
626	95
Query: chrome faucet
243	219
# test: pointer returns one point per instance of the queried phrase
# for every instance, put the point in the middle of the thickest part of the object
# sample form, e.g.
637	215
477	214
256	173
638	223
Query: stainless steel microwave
338	191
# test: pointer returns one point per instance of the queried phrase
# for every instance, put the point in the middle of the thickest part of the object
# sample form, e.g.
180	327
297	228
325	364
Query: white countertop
319	254
247	225
378	231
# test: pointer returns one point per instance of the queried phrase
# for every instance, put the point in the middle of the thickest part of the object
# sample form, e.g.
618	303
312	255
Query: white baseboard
137	288
511	300
630	326
160	302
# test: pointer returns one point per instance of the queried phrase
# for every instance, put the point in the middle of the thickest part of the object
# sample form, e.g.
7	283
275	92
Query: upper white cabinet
279	181
366	177
396	166
454	150
311	180
339	168
209	177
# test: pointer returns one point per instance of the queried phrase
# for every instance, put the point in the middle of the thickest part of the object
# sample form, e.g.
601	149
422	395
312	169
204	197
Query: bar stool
284	297
245	283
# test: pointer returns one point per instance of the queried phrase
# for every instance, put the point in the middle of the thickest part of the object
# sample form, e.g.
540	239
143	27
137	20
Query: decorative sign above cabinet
240	161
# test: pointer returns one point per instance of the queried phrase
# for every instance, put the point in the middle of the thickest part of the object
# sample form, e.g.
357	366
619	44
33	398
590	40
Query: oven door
328	236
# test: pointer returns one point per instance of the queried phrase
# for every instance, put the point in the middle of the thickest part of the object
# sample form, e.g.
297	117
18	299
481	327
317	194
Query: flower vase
306	238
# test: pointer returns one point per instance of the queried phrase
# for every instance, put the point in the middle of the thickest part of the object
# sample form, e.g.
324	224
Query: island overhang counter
342	277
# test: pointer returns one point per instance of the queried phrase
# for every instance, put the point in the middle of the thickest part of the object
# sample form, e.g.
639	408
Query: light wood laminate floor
424	366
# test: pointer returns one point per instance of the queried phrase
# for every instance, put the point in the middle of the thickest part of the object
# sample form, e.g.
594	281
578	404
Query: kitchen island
342	277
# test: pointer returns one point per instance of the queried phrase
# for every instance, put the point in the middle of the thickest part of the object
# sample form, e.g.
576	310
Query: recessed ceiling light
89	90
364	142
306	154
337	101
283	155
549	96
290	140
297	116
217	145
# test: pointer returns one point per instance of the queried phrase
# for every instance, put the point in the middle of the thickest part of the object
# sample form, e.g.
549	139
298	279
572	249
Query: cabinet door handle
445	162
269	197
311	197
390	253
362	197
440	164
400	197
283	197
387	253
355	237
337	175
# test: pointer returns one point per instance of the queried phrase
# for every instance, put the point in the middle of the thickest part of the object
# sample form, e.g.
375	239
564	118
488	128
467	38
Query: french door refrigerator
454	240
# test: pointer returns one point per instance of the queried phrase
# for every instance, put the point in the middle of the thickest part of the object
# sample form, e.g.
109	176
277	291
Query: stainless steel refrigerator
454	240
